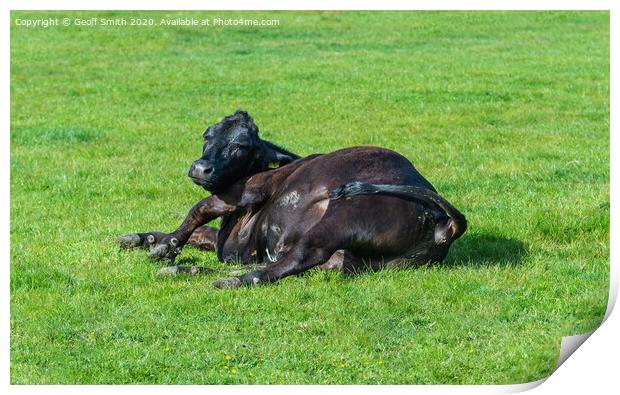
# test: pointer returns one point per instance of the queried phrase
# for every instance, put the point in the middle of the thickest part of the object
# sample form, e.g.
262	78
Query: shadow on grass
485	250
469	250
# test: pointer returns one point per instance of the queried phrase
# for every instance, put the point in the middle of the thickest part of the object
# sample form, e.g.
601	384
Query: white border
594	365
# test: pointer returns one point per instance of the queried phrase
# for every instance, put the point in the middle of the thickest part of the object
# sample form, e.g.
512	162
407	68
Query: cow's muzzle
201	173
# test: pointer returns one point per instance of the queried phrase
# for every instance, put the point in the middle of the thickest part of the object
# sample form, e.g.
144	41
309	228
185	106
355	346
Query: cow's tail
459	222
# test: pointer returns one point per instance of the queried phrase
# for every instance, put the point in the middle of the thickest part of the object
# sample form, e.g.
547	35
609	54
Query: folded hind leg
204	237
314	249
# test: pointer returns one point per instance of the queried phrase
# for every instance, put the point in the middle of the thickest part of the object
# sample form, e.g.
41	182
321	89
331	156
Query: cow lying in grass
353	209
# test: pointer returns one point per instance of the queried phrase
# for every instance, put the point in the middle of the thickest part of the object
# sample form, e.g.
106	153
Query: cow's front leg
161	245
204	237
203	212
140	240
167	246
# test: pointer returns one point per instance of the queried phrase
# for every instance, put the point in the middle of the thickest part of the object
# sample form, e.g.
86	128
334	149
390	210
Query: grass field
506	113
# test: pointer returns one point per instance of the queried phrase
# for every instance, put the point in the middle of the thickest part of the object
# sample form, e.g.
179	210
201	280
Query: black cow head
232	150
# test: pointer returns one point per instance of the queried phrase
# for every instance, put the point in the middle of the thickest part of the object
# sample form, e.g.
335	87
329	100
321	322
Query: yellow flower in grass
233	370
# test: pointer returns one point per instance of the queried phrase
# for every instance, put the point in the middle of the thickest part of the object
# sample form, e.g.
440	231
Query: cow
352	210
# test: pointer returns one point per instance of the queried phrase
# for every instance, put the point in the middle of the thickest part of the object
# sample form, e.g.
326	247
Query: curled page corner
570	344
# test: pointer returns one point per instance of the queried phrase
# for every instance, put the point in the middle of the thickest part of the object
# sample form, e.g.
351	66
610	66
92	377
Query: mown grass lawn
506	113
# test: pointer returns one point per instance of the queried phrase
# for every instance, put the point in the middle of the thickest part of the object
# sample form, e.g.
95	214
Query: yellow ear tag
273	165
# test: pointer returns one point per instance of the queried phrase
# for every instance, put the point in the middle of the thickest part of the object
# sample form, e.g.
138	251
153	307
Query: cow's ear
283	158
276	156
280	159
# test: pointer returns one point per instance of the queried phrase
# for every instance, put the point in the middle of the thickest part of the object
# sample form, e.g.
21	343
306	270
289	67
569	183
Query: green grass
506	113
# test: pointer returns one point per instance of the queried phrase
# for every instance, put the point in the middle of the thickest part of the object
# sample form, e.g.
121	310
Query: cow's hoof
164	253
166	250
141	240
130	241
232	282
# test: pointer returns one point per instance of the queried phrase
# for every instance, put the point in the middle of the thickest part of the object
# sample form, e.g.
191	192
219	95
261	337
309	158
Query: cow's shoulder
255	190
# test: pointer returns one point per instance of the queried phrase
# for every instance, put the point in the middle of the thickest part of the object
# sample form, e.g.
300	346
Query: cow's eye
239	149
